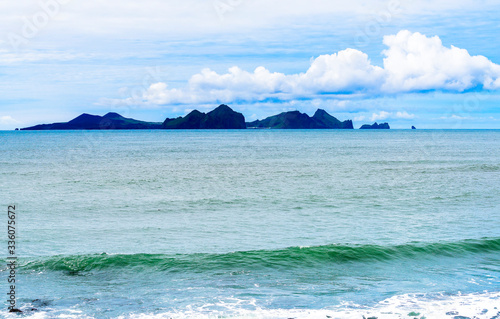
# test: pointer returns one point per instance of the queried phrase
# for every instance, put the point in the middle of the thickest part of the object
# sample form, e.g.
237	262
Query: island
223	117
110	121
375	126
297	120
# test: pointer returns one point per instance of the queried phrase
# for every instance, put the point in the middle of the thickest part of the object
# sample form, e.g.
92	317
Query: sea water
254	223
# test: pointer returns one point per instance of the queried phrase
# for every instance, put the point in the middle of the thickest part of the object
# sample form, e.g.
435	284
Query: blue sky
432	64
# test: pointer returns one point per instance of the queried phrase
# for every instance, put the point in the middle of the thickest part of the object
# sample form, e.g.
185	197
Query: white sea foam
49	313
478	306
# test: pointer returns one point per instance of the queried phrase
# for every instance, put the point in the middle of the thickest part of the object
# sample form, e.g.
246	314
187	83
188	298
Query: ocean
253	223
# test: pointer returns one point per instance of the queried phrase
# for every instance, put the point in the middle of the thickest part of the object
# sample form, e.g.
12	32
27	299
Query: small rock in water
460	317
15	310
452	313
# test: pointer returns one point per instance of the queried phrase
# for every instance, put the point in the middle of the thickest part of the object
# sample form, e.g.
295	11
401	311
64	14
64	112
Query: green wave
288	257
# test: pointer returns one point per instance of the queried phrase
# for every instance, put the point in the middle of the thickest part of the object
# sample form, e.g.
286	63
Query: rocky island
296	120
375	126
110	121
223	117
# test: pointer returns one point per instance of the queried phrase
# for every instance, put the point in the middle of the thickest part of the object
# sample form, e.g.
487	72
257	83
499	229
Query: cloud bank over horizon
413	63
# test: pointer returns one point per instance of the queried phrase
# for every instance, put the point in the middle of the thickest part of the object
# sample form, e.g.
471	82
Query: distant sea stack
413	128
375	126
223	118
296	120
110	121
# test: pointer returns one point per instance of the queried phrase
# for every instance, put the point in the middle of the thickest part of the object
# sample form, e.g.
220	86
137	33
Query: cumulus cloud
413	63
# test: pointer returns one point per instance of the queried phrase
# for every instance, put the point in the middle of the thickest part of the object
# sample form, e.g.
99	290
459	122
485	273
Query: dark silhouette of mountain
375	126
296	120
285	120
223	117
110	121
190	121
413	128
330	122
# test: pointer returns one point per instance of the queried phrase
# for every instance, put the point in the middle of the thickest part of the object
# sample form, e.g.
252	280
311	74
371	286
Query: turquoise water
257	223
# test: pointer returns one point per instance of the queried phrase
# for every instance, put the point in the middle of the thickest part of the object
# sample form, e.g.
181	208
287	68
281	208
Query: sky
431	64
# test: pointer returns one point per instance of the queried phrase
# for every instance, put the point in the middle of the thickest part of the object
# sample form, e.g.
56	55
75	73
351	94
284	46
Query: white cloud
458	117
413	63
404	115
468	118
380	116
9	56
7	119
348	71
383	115
164	17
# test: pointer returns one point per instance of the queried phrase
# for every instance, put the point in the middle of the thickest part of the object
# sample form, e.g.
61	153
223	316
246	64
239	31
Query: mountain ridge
375	126
222	117
297	120
85	121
